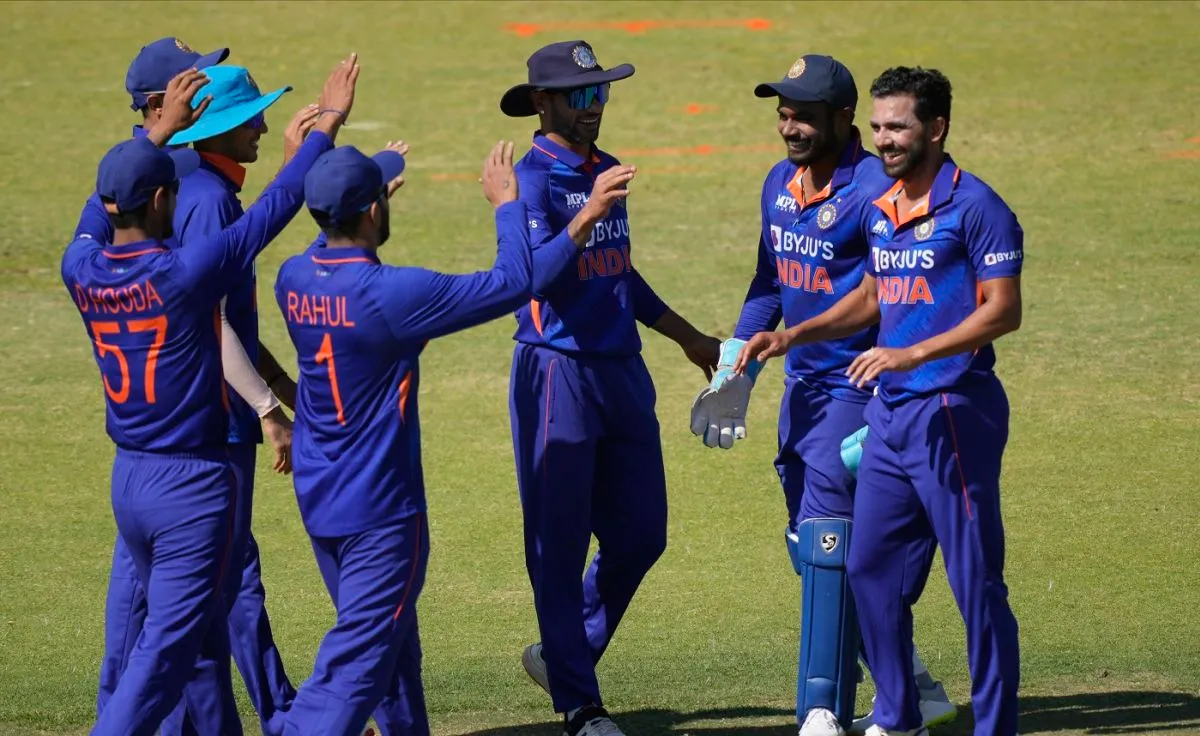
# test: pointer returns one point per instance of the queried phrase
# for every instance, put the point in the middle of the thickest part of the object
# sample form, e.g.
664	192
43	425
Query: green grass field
1083	116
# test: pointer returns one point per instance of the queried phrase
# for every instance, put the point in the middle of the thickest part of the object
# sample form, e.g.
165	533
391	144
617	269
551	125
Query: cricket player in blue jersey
585	434
815	215
226	138
359	328
943	283
155	65
153	316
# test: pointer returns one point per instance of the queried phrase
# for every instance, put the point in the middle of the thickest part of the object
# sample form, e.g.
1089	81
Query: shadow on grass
1119	712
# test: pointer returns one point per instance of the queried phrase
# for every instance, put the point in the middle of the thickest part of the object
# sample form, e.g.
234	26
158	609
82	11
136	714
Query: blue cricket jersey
359	328
208	203
928	267
151	313
587	302
810	255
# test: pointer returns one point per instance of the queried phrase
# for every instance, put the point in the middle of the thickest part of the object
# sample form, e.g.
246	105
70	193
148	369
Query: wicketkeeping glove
852	448
719	411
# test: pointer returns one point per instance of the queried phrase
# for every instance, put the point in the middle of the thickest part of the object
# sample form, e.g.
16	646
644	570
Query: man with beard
588	454
359	328
812	251
943	283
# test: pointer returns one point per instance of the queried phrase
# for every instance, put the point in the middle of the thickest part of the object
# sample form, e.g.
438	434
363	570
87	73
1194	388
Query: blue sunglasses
582	98
257	122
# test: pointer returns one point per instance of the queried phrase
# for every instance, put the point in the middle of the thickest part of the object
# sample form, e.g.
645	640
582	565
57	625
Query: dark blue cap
344	182
160	62
815	78
132	170
559	66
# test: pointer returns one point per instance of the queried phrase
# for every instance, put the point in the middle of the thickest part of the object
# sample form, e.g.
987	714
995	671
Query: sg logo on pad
829	542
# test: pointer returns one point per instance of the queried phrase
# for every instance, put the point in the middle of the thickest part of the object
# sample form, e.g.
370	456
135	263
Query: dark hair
123	220
929	87
339	229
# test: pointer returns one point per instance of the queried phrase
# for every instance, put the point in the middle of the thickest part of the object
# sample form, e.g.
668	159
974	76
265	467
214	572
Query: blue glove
852	448
719	411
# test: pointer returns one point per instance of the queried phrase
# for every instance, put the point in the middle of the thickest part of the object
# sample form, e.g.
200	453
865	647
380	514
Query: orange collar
230	169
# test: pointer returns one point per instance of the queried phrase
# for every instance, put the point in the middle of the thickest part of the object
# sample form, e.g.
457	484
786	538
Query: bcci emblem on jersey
826	216
829	542
584	57
924	229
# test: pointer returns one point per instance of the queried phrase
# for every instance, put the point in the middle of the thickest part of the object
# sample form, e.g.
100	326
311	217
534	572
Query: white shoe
591	721
880	731
821	722
535	666
935	706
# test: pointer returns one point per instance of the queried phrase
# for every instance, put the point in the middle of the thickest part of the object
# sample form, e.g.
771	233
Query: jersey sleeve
762	309
552	252
995	240
94	222
648	307
420	304
211	263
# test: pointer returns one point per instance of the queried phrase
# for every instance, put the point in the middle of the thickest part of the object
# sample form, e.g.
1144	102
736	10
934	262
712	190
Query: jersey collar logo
924	229
826	216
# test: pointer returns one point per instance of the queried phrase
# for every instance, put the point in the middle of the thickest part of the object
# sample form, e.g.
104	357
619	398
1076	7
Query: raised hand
401	148
297	129
337	98
499	180
611	185
177	112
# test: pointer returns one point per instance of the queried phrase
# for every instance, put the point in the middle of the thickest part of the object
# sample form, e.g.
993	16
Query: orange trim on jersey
551	155
887	203
230	169
135	254
796	187
535	311
335	261
405	384
414	561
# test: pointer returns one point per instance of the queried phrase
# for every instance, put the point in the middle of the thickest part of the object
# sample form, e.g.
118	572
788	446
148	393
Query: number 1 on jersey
325	355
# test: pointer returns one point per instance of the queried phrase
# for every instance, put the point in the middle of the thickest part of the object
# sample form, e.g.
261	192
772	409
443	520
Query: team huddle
893	275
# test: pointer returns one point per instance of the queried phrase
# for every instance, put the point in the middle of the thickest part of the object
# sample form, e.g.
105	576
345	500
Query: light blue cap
236	100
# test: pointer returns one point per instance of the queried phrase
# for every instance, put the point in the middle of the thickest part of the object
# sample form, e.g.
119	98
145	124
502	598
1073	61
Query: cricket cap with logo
132	170
235	100
160	62
344	182
560	66
814	78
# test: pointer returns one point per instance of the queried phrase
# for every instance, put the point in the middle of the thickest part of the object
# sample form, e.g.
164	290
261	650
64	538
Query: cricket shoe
880	731
591	720
535	666
821	722
935	705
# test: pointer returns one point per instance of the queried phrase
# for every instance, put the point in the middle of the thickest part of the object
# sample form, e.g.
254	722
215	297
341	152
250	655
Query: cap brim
212	124
518	103
786	89
211	59
390	163
186	161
